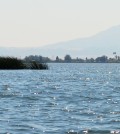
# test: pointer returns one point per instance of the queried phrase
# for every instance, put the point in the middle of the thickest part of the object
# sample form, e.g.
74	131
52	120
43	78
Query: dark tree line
69	59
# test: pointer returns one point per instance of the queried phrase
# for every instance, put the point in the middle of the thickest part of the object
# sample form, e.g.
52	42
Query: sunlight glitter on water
60	100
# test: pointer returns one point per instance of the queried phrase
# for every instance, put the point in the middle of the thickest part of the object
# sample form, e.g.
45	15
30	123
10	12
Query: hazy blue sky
40	22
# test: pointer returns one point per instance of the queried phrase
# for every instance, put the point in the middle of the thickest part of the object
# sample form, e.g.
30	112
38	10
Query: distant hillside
103	43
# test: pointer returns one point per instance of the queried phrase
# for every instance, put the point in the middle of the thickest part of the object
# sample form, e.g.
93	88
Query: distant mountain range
103	43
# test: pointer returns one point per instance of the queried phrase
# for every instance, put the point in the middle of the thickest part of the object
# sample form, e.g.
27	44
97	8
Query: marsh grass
11	63
15	63
35	65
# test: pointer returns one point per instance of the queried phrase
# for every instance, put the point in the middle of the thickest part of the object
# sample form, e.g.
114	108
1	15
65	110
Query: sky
31	23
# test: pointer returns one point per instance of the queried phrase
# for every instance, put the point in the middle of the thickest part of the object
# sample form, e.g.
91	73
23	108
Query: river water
66	99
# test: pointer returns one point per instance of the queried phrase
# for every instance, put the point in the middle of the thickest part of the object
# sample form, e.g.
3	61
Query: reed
36	65
15	63
11	63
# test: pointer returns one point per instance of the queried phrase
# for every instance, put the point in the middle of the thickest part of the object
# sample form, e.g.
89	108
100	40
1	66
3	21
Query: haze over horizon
103	43
36	23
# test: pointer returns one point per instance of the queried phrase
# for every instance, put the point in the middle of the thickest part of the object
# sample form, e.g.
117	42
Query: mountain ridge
103	43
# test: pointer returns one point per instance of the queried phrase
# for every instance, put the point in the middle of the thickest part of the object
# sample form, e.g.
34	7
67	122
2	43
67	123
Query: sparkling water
66	99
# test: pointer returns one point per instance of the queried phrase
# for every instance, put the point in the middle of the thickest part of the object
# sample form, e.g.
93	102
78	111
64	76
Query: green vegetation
39	62
11	63
14	63
69	59
37	66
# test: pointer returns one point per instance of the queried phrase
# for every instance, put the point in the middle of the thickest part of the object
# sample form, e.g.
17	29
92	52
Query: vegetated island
12	63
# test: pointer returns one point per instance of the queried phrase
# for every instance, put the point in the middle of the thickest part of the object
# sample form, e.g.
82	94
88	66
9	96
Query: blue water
66	99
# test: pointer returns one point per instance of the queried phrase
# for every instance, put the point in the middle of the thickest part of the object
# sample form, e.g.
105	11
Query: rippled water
66	99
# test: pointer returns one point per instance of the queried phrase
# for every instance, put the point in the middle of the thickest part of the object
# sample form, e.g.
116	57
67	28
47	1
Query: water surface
67	98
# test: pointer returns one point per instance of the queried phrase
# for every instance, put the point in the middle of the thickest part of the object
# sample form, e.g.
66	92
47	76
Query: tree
67	58
57	58
102	59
